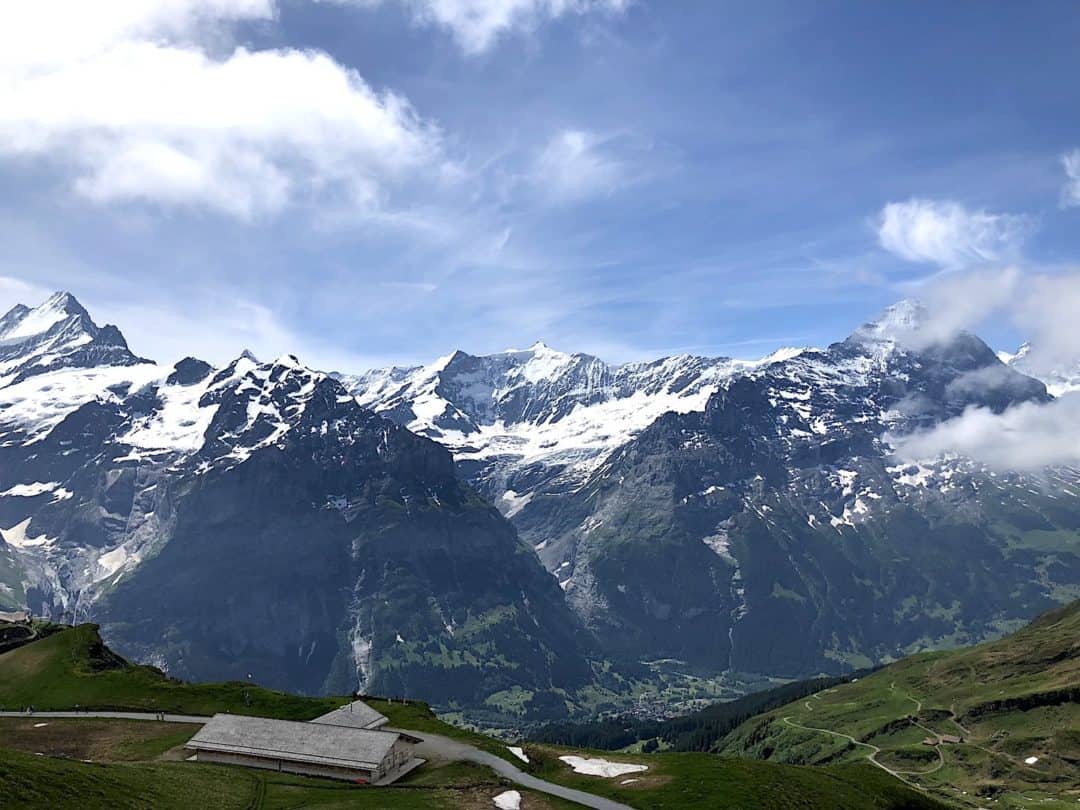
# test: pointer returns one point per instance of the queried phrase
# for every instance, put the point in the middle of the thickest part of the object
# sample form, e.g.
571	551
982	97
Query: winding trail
875	750
430	747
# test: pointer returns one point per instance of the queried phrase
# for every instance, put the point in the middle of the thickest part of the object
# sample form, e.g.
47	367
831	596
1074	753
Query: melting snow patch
629	781
40	725
518	752
1031	760
510	800
601	767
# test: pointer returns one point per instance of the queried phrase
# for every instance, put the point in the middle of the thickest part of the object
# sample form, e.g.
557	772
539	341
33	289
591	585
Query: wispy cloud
477	25
141	102
948	234
575	165
1070	193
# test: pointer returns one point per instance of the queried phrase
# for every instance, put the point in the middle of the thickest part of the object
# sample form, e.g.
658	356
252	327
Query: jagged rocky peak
23	323
58	333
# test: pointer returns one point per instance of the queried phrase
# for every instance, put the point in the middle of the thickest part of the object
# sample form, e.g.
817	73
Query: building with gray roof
355	715
310	749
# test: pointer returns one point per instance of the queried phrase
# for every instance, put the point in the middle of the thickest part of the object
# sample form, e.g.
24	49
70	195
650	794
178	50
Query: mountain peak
904	317
22	322
57	333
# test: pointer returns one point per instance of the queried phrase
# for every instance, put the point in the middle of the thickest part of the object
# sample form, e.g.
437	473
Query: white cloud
575	165
947	234
1046	308
148	101
1025	437
1070	194
477	24
956	302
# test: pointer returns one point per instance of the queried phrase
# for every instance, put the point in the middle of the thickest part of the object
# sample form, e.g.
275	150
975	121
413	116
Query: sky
368	182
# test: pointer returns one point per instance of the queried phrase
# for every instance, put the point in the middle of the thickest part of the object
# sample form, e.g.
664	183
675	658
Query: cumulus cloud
948	234
575	164
1025	437
147	101
1070	194
478	24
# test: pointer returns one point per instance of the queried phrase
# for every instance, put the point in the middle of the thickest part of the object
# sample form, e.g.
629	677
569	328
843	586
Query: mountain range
517	529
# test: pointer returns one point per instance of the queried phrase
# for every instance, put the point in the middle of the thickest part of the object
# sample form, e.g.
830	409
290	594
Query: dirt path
159	717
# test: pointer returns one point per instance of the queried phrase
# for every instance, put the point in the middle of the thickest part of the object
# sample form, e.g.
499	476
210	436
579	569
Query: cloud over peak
948	234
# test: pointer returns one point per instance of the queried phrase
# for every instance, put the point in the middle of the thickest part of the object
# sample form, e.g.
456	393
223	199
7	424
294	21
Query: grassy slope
685	781
1010	699
73	668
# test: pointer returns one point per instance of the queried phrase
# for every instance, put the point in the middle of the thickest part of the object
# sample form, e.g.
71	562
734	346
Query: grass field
692	781
1008	700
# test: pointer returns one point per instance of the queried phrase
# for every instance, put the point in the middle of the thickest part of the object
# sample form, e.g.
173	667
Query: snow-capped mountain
256	518
733	515
1060	377
525	423
774	531
57	334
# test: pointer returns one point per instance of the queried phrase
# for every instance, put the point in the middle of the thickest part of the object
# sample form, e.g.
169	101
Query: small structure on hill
943	739
354	715
309	749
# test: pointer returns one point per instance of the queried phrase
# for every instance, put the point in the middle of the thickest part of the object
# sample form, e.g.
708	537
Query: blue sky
365	182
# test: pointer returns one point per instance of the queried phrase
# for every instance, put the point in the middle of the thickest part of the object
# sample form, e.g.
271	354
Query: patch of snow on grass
509	800
1031	760
601	767
518	752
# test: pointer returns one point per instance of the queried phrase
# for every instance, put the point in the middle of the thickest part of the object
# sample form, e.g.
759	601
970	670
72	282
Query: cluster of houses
348	743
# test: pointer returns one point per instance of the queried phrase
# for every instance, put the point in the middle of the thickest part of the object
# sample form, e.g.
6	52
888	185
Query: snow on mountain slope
530	421
74	398
753	535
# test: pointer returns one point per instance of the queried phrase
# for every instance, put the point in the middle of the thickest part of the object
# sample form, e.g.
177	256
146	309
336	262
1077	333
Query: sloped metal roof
316	743
355	715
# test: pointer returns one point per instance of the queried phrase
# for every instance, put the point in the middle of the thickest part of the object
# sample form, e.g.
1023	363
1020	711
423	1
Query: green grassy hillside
139	763
1008	700
73	667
